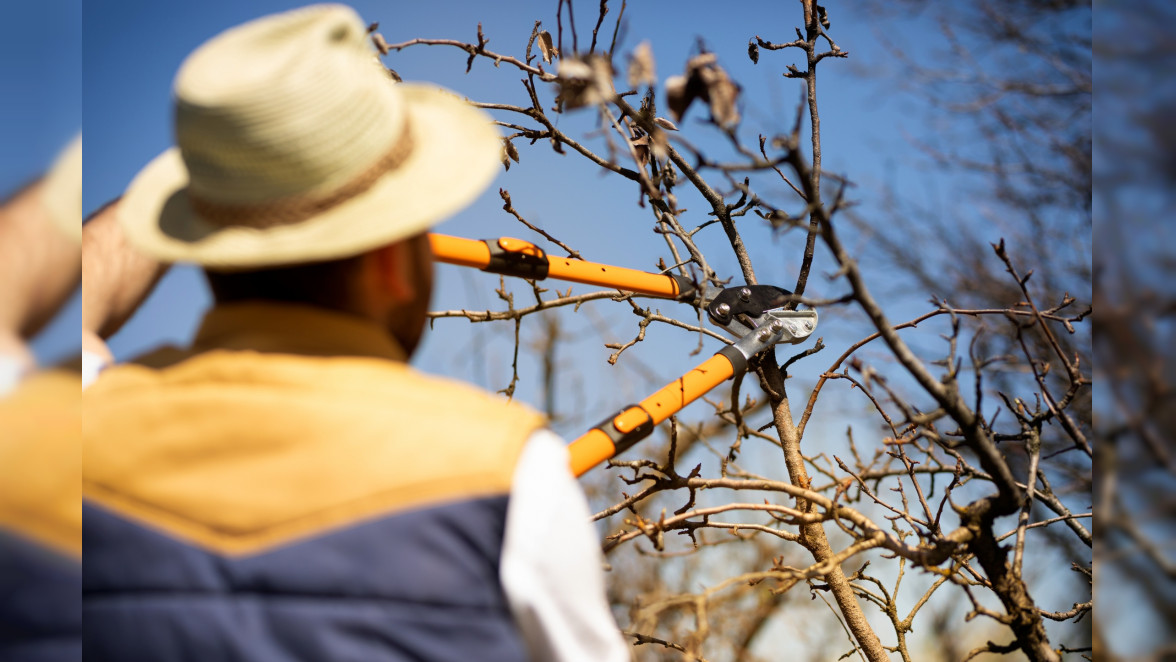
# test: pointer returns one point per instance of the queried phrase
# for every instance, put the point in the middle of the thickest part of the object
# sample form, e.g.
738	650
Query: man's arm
551	562
39	266
39	269
116	279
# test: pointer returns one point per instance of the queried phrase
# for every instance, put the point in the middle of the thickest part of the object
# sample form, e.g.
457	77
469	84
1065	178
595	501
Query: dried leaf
372	27
722	93
700	61
546	47
584	82
705	80
641	149
381	45
665	123
575	84
641	66
660	145
670	177
647	146
823	17
602	74
574	69
718	88
676	97
511	151
753	51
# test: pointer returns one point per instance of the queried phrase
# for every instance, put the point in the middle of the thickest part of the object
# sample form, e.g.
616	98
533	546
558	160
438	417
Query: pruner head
761	310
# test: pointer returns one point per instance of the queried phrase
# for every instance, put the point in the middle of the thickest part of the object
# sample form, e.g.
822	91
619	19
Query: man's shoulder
333	440
354	379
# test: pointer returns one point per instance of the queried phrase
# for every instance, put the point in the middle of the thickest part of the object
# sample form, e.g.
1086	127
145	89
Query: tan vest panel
239	451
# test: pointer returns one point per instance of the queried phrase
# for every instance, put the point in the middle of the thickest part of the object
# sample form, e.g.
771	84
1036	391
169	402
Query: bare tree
1136	300
1018	76
947	497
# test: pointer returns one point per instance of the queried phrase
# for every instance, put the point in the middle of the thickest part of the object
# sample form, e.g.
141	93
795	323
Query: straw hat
62	191
294	145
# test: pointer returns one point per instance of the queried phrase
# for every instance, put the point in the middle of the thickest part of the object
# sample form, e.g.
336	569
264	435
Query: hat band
295	209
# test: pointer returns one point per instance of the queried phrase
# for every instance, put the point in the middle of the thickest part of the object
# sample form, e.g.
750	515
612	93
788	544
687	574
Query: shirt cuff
92	365
13	369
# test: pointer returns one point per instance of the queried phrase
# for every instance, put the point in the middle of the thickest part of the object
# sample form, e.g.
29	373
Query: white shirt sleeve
92	364
552	568
13	369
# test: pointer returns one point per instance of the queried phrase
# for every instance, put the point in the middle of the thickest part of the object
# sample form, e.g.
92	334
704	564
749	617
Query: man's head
295	147
390	285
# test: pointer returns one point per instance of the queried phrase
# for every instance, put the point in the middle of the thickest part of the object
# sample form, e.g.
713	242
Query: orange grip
462	252
629	280
688	388
475	253
592	448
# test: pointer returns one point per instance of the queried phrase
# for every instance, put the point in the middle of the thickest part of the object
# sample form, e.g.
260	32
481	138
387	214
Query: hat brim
455	154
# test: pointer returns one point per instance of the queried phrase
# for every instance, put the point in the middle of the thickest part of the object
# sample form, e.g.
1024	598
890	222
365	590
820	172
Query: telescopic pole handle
635	422
617	433
517	257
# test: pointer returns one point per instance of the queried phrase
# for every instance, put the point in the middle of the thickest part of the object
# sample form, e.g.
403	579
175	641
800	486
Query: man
40	424
287	488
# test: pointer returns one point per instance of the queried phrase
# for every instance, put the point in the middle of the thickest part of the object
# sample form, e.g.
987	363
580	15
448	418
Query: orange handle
688	388
476	253
596	446
462	252
629	280
590	450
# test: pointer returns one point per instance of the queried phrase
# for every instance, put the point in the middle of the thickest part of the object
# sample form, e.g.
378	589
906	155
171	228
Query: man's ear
393	266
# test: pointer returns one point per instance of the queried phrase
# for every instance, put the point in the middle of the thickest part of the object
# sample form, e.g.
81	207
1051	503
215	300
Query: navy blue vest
418	585
253	506
40	602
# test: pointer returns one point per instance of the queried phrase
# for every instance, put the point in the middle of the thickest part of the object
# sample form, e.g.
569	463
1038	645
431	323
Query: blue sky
41	83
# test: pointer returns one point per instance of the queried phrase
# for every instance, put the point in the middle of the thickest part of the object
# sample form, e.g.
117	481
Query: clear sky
41	84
